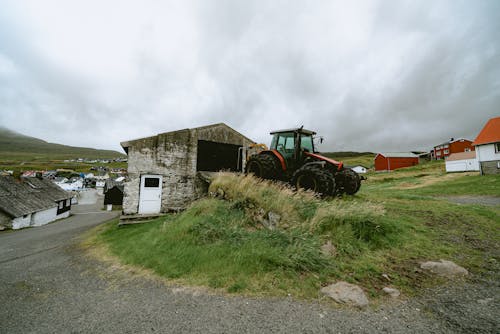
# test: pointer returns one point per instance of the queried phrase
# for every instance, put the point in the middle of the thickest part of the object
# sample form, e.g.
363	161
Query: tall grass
224	242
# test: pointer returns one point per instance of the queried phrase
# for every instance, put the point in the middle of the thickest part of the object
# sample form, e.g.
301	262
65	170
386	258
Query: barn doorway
213	157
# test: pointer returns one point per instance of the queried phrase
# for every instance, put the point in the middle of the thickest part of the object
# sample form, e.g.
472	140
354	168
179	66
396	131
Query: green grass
395	222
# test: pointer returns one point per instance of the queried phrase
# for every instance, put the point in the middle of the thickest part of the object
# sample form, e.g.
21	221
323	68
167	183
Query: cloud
369	75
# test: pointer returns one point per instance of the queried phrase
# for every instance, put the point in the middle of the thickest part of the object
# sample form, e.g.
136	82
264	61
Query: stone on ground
394	293
444	268
346	293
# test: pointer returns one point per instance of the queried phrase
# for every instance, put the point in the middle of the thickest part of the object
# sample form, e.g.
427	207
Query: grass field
396	221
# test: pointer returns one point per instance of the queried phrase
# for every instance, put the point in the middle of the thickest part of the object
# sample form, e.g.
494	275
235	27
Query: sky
386	75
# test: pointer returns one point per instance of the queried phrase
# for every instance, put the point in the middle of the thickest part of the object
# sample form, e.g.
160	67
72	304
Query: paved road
48	286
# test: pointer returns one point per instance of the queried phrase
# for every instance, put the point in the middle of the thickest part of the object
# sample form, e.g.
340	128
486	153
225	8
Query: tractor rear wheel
263	166
348	181
314	178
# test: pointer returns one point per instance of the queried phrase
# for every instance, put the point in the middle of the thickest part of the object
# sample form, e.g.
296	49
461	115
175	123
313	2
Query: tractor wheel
263	166
314	178
348	181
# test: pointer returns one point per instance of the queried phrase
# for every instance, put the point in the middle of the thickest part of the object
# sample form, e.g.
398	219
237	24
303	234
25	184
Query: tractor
292	158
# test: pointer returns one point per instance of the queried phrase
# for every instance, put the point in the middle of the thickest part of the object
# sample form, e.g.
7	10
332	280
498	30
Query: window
306	143
446	151
61	204
67	202
497	147
467	149
151	182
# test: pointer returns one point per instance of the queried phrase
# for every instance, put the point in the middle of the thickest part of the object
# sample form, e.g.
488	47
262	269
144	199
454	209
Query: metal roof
399	155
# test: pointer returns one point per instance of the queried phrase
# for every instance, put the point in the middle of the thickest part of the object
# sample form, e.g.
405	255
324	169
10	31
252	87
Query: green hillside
16	146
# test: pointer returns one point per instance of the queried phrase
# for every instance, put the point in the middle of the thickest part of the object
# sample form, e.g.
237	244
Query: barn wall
44	217
465	165
174	156
382	163
21	222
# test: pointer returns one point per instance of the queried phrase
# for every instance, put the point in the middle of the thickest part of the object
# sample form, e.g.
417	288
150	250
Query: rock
346	293
328	249
444	268
273	218
394	293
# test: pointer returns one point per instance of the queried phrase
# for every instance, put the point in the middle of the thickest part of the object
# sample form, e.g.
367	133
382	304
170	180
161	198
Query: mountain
13	143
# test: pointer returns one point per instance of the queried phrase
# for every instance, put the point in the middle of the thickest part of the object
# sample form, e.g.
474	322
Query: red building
443	150
392	161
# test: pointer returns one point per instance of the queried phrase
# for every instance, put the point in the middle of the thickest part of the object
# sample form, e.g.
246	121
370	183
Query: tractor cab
291	144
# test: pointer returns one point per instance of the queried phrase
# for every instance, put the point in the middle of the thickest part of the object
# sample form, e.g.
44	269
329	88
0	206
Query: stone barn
166	171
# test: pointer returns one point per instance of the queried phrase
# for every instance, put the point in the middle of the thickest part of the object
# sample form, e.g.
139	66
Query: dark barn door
213	157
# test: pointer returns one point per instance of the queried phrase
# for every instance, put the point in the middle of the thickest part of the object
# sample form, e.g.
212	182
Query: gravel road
48	286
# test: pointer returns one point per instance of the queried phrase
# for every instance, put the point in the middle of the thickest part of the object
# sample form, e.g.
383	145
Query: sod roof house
31	202
165	171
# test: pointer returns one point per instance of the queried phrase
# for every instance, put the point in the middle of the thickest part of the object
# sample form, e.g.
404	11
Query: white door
150	194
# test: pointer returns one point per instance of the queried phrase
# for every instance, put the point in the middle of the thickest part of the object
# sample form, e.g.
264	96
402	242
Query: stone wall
172	155
490	167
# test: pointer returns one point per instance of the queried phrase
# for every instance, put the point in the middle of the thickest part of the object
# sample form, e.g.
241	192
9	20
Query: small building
487	144
392	161
164	170
462	162
113	193
444	150
31	202
360	169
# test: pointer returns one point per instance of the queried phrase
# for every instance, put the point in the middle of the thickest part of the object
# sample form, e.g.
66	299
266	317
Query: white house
487	145
31	202
462	162
359	169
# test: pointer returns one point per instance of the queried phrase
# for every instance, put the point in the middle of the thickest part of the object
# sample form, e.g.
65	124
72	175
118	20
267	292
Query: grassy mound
227	241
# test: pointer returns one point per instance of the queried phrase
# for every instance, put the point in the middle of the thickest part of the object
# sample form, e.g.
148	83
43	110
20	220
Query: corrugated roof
399	155
19	198
461	156
490	133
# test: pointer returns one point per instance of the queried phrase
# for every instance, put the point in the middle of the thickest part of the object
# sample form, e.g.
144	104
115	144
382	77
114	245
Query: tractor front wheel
314	178
263	166
348	181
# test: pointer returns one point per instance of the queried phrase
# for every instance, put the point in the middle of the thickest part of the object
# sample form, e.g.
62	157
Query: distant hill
16	144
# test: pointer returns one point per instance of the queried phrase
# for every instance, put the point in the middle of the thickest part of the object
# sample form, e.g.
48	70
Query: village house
444	150
487	145
392	161
31	202
113	193
165	171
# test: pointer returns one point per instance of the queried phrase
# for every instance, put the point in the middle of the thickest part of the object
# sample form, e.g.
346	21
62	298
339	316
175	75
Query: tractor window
306	143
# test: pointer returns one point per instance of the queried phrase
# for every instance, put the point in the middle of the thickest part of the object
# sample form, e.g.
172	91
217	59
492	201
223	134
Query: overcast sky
367	75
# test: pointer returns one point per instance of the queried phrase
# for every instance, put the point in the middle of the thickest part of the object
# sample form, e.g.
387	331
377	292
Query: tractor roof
304	131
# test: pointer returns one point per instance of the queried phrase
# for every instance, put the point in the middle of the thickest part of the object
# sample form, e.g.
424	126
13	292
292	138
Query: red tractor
292	158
